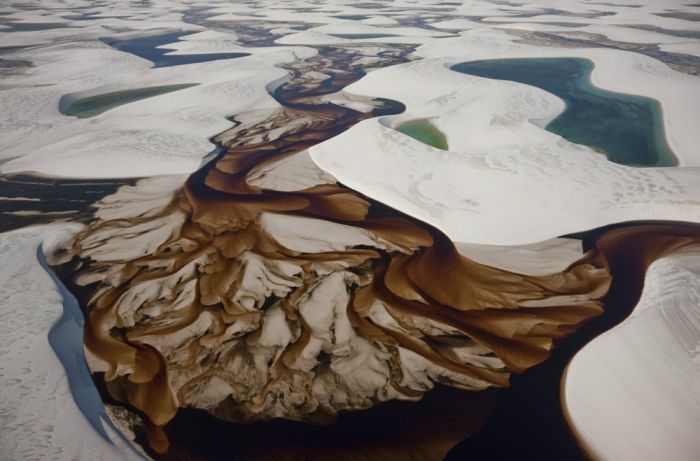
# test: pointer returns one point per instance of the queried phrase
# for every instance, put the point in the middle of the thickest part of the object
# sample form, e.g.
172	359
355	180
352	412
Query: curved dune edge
643	376
676	91
504	170
36	391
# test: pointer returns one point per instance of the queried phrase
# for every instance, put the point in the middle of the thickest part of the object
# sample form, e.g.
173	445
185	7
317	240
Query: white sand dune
326	34
677	92
634	392
504	176
39	418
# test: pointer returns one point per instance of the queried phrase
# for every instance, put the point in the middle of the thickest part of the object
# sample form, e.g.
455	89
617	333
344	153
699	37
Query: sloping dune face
264	289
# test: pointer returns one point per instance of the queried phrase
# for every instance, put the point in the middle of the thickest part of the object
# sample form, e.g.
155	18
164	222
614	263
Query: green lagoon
425	132
627	128
95	105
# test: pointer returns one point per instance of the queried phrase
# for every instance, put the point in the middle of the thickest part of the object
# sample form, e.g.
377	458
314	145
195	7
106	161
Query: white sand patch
208	41
39	418
354	27
539	258
459	24
380	21
355	31
692	48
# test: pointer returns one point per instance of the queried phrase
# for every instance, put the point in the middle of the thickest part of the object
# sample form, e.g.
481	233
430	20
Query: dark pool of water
627	128
31	26
95	105
147	48
12	66
352	17
28	199
672	32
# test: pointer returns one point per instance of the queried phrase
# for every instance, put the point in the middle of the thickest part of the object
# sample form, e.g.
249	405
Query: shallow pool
627	128
425	132
95	105
147	48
